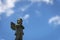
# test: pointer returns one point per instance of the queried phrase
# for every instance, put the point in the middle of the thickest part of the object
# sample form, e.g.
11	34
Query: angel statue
18	29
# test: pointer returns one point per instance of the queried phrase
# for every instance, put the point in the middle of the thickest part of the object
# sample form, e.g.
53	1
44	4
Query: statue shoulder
23	27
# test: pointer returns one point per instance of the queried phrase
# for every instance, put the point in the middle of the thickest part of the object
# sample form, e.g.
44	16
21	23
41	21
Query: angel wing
13	27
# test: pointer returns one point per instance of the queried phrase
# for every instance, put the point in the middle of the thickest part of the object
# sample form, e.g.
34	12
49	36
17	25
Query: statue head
19	21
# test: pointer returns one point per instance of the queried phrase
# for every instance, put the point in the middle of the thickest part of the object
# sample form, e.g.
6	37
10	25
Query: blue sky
41	19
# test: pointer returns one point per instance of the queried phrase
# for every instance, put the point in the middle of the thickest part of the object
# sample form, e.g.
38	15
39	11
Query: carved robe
19	30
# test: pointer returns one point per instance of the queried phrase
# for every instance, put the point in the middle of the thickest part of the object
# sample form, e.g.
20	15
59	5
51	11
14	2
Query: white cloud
47	1
9	12
7	5
26	16
55	20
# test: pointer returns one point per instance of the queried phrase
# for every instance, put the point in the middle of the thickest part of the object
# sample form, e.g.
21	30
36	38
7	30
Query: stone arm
13	27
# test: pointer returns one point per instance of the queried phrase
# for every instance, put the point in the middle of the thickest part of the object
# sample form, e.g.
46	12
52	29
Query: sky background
41	19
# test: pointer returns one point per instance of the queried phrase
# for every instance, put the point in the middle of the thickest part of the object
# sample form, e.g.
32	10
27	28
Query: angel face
19	21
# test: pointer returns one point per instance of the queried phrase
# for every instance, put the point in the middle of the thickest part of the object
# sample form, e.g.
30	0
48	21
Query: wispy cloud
55	20
24	8
46	1
6	6
38	13
25	17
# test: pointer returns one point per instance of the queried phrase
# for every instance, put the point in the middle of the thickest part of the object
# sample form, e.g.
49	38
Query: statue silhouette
18	28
